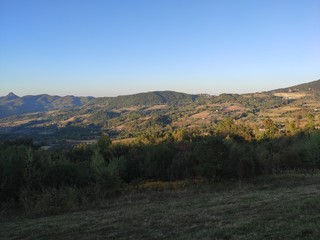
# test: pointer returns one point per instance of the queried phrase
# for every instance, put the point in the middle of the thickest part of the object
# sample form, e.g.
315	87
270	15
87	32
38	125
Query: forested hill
313	86
15	105
145	99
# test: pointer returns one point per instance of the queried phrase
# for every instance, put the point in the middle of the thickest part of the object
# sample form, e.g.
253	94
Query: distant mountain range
15	105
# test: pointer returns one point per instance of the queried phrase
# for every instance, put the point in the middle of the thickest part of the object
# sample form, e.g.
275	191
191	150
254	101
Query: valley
79	119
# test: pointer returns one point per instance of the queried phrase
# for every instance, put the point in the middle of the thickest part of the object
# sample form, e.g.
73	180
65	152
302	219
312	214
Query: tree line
59	179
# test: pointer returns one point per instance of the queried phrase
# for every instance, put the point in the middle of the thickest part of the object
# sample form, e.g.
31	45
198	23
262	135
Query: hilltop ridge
313	86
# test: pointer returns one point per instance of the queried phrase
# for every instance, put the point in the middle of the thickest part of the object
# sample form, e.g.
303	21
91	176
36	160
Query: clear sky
116	47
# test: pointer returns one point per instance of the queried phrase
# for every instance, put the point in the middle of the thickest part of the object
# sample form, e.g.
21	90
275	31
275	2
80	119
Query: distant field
156	107
15	123
201	115
293	95
278	207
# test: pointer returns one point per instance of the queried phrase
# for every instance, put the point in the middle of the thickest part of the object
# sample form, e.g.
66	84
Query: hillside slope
313	86
14	105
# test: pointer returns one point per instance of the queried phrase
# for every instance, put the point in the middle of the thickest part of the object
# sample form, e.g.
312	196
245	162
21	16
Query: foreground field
278	207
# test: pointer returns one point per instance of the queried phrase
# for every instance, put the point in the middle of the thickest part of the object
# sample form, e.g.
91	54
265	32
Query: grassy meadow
285	206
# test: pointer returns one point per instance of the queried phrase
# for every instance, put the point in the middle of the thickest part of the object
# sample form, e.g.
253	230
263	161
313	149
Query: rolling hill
313	86
14	105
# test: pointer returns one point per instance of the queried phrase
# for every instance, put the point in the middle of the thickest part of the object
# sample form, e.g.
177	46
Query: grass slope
279	207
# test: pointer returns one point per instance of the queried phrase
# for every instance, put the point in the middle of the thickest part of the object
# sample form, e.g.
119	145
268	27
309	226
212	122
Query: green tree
312	150
210	156
291	128
271	129
226	127
106	174
181	135
104	146
310	122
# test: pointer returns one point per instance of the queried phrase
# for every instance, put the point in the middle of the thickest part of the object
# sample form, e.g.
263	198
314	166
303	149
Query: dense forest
40	181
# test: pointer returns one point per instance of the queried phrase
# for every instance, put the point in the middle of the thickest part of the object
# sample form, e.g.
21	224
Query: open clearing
157	107
278	207
201	115
288	95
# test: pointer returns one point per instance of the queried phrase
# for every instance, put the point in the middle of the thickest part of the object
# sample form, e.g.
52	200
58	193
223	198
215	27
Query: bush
12	166
61	173
312	151
157	161
182	166
107	175
51	200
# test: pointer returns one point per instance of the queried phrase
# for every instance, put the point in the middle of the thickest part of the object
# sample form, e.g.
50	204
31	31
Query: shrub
60	173
12	166
182	166
157	161
107	175
312	150
51	200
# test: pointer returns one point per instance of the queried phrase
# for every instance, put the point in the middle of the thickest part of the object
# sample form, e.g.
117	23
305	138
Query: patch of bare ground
120	127
292	95
126	109
157	107
74	118
289	108
15	123
124	140
312	104
234	108
201	115
145	118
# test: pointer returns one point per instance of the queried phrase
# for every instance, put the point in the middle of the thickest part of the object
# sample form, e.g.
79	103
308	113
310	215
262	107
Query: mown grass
277	207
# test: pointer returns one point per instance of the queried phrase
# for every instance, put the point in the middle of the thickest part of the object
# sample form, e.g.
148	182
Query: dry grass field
275	207
293	95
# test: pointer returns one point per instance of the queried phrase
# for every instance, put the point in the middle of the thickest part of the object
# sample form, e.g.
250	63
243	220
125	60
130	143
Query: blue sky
108	48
